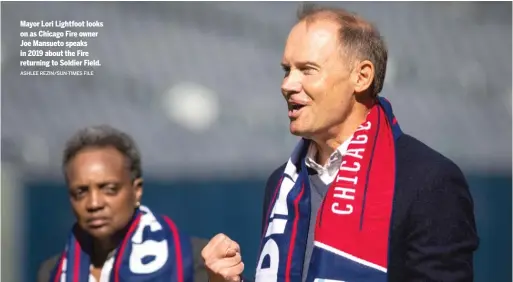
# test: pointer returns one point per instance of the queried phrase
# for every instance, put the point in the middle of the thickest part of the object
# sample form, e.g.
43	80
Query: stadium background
197	85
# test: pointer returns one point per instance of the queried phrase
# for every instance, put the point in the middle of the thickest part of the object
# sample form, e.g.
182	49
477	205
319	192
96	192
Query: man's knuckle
238	258
211	265
204	252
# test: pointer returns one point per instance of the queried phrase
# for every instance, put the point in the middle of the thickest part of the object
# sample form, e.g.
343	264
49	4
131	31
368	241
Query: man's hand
222	259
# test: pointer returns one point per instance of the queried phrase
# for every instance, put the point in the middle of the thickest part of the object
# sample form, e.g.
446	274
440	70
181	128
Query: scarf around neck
153	249
353	222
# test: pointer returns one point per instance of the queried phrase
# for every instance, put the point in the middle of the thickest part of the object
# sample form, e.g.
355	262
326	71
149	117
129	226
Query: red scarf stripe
123	246
59	267
271	205
294	233
76	266
178	249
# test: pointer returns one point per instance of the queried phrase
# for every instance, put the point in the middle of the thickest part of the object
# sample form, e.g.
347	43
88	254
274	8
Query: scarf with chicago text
153	249
353	222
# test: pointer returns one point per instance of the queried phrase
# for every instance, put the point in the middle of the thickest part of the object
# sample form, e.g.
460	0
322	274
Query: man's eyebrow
301	64
307	63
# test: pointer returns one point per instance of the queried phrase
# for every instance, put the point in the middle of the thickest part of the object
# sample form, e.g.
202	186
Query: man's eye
308	71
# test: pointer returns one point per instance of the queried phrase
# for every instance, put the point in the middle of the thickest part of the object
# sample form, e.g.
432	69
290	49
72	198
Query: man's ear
363	76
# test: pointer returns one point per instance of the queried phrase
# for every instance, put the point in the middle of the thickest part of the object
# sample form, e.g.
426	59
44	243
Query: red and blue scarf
353	223
153	249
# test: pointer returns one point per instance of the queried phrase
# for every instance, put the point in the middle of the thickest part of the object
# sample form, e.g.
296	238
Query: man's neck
337	135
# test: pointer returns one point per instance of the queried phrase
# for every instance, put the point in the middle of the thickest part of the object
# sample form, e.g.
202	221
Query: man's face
317	83
102	195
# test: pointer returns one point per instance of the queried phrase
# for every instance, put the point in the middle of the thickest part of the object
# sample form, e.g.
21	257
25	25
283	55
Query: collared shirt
328	172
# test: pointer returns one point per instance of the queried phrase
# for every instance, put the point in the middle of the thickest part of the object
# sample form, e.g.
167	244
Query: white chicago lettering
345	187
140	249
355	153
344	193
360	139
364	126
355	168
335	209
353	180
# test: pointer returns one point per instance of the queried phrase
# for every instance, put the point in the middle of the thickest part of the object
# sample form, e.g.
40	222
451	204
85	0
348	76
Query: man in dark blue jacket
358	200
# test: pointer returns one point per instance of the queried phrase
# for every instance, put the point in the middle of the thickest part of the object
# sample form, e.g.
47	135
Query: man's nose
291	84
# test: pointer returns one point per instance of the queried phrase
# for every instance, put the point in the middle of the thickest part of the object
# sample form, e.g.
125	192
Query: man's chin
297	130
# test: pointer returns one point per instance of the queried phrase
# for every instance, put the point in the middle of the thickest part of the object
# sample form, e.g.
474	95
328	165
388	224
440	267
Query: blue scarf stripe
268	214
387	107
299	232
180	252
77	260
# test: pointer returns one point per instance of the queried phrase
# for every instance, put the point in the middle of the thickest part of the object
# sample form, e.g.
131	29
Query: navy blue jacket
433	234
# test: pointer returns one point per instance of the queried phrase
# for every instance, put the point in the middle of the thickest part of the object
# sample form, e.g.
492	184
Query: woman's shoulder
46	267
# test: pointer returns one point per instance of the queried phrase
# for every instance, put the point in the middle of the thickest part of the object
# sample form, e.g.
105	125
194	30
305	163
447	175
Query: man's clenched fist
223	260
